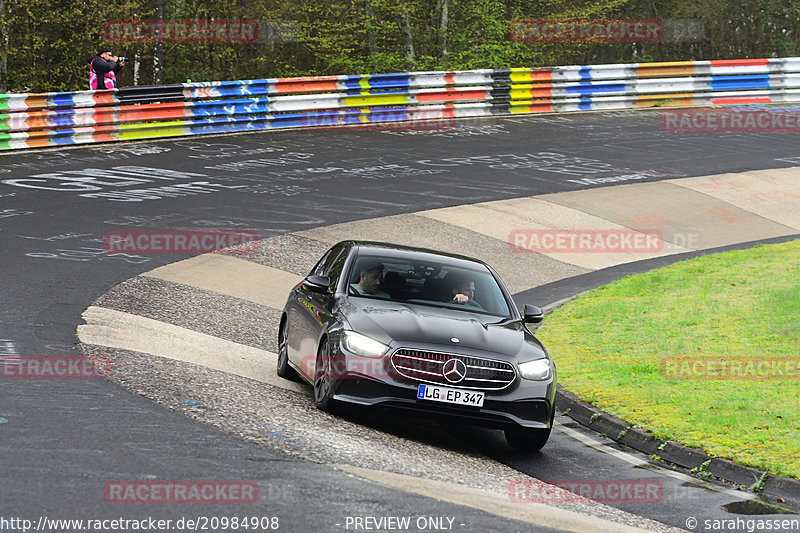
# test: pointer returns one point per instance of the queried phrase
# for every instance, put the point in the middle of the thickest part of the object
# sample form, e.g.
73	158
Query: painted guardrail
53	119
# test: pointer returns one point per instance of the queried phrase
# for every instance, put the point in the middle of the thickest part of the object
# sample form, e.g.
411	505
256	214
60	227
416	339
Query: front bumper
498	411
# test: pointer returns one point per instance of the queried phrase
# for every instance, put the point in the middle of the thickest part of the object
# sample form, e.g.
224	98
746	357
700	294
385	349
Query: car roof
399	251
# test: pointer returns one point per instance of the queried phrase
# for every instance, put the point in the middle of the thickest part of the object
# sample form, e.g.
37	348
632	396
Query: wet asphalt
63	440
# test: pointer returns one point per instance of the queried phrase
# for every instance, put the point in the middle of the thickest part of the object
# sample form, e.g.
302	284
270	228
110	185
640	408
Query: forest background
45	45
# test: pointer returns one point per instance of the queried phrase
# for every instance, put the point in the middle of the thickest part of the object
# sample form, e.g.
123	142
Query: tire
283	369
324	380
527	439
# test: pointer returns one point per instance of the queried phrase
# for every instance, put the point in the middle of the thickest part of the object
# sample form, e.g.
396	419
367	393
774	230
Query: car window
335	265
331	265
320	266
429	283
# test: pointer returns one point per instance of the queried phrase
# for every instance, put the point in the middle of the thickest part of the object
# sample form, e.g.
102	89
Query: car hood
399	324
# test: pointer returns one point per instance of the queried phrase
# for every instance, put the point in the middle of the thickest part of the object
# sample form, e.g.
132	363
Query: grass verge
704	352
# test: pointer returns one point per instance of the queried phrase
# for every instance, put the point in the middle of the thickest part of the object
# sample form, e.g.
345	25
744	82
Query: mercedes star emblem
454	370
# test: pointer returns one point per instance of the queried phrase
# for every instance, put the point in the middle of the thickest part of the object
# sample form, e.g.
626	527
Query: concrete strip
511	220
288	252
232	276
772	194
124	331
520	271
685	217
530	512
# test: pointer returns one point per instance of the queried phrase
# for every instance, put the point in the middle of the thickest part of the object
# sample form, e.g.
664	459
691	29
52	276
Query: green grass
609	345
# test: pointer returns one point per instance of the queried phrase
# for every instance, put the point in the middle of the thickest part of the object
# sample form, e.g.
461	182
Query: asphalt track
63	438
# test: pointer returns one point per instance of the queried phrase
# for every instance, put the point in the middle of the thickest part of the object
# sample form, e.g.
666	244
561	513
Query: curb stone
777	487
730	471
642	440
610	426
572	406
683	455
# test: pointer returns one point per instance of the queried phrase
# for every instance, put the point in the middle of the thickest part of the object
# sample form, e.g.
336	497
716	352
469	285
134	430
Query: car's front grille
442	369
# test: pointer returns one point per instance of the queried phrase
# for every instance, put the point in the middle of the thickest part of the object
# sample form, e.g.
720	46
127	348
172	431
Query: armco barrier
144	112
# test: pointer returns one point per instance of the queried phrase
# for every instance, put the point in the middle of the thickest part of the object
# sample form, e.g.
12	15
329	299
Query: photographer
103	70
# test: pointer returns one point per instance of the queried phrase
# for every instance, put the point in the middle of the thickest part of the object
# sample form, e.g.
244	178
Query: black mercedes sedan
406	328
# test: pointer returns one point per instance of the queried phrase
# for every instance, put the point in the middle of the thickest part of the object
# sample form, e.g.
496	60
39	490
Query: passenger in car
369	281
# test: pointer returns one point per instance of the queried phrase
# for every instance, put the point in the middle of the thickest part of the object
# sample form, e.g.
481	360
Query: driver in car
369	282
463	290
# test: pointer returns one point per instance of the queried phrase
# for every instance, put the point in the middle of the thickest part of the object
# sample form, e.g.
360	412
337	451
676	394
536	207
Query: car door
313	312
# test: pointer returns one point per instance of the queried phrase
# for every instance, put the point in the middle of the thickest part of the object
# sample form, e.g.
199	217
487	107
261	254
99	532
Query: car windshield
428	283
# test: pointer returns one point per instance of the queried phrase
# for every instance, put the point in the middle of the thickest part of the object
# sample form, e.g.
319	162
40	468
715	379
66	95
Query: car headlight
538	370
362	345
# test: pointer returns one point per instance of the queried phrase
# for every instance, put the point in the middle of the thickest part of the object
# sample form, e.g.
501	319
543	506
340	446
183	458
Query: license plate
448	395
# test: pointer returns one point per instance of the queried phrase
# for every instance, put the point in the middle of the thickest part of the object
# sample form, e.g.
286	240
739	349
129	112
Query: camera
122	59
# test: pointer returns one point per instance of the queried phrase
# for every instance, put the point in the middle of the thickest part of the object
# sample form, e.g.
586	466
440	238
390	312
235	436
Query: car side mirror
317	284
532	314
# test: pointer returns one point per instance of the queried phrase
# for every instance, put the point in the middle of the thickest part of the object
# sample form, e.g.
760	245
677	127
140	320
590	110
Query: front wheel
323	380
283	369
527	439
